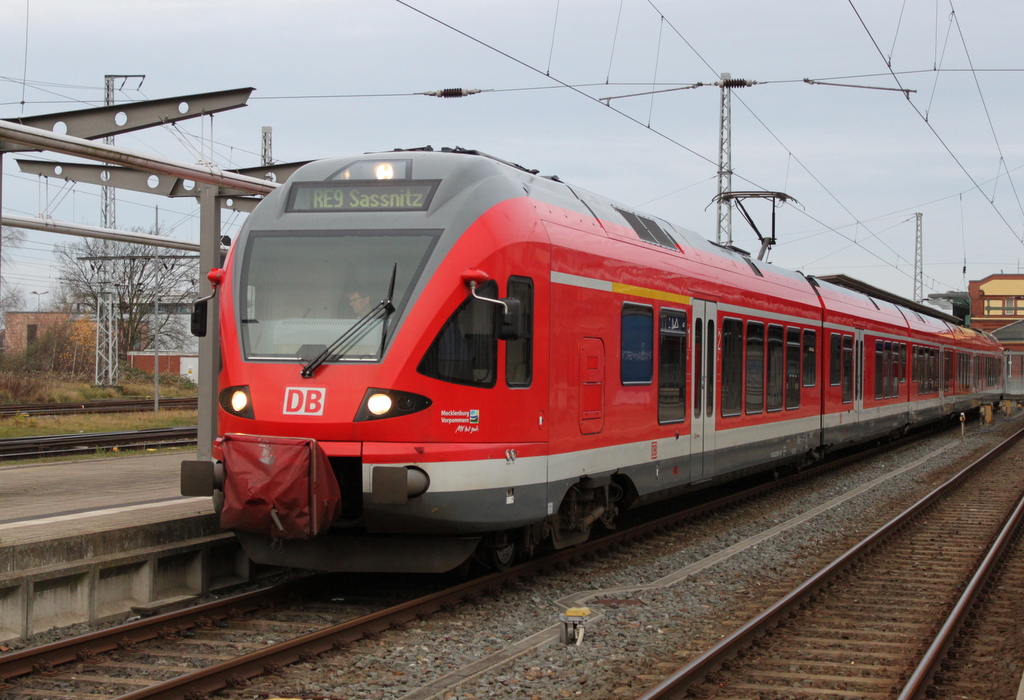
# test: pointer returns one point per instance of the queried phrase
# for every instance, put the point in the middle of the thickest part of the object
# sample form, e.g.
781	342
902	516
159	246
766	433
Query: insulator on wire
452	92
736	83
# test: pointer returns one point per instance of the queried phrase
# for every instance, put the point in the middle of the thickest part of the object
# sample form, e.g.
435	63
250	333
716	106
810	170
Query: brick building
996	301
25	327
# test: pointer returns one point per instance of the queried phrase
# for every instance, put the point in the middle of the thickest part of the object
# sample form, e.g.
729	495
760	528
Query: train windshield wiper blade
381	311
378	311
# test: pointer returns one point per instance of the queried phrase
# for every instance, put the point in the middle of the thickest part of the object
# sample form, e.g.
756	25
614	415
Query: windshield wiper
382	311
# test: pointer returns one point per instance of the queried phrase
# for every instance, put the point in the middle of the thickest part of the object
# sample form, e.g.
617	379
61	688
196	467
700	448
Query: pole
107	205
156	320
919	260
2	233
209	257
267	147
724	229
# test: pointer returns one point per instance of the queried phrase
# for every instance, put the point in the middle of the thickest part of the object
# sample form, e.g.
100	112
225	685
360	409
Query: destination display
364	195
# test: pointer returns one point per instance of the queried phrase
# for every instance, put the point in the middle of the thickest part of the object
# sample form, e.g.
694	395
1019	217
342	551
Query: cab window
519	352
465	351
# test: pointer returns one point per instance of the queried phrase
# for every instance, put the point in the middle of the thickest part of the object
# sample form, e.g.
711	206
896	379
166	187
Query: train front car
379	405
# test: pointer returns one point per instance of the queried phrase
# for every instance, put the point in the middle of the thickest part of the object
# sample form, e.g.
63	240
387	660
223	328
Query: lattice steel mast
919	261
723	232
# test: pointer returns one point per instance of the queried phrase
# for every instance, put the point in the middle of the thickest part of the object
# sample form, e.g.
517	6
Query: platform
104	539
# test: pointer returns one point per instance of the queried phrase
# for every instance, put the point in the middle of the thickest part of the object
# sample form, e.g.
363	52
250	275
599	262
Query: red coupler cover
277	486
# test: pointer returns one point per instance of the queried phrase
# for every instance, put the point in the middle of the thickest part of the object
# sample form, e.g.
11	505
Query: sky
343	77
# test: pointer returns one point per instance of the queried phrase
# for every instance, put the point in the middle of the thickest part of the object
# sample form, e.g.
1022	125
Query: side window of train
835	359
776	367
893	353
755	367
903	363
933	370
793	367
465	351
637	363
810	358
947	370
732	366
886	369
879	361
672	367
847	369
519	352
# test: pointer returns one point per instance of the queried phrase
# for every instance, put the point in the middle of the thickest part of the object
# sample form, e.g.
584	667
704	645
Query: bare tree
12	296
91	268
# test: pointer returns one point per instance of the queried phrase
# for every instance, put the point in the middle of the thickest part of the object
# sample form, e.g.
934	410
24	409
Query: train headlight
379	404
390	169
237	401
388	403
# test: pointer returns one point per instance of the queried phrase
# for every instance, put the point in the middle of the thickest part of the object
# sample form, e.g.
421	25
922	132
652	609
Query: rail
98	406
677	686
228	673
50	446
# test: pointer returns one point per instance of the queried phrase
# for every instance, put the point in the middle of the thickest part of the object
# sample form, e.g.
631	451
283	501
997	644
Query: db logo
304	401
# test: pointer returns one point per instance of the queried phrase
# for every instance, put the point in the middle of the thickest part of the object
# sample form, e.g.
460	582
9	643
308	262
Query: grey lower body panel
866	429
362	553
459	512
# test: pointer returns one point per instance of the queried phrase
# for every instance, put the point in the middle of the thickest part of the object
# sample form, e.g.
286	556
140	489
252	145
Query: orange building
996	301
26	327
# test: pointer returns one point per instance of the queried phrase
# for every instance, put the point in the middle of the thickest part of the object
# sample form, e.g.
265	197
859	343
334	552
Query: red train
428	356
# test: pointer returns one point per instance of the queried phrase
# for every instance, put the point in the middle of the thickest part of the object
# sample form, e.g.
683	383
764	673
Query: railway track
882	621
50	446
99	406
229	663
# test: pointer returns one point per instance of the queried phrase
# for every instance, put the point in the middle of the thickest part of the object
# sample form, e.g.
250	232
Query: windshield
300	291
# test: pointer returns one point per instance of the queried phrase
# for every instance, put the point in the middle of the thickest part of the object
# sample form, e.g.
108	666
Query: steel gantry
69	133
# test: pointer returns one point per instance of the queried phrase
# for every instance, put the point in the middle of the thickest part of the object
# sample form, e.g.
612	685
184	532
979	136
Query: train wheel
501	552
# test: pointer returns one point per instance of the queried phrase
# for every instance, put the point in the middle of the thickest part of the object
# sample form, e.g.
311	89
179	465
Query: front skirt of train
277	486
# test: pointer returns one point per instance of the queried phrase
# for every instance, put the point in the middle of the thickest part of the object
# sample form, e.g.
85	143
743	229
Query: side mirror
511	327
198	320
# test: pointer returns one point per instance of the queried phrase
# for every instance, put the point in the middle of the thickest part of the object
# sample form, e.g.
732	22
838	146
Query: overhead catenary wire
931	128
618	62
779	141
564	84
896	34
988	115
554	31
615	38
619	112
657	60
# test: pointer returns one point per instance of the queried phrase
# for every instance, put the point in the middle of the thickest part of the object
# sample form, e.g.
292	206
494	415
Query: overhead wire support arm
906	91
607	100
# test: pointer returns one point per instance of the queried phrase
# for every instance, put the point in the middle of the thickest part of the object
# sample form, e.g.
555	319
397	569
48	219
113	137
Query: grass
18	426
21	388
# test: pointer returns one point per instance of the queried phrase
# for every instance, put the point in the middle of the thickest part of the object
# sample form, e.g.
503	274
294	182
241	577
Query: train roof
471	182
877	293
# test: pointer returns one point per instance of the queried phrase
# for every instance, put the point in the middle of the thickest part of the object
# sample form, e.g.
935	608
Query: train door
858	375
704	353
